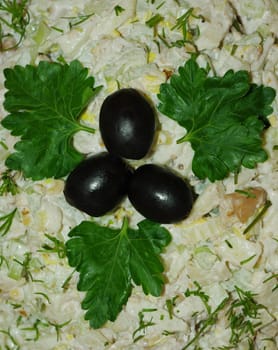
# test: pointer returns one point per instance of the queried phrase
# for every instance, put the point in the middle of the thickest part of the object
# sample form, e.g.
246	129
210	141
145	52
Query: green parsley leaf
222	117
109	259
45	103
145	246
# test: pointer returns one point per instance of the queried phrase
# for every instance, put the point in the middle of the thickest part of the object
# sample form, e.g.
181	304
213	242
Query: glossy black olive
159	194
98	184
127	124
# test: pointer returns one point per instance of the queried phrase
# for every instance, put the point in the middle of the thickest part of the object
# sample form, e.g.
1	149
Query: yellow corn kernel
151	57
112	86
88	117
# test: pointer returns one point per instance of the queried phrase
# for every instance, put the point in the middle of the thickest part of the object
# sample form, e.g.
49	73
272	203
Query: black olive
98	184
127	124
159	194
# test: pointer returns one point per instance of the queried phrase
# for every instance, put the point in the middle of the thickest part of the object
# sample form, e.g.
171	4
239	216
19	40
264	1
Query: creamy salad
221	267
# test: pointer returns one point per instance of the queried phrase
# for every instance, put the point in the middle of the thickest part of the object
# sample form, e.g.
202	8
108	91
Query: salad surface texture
207	73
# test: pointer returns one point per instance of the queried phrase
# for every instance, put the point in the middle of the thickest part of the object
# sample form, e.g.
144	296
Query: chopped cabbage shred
211	258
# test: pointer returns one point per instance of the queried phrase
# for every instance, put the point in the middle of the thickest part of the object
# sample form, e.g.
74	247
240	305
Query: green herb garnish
237	24
201	294
57	29
189	33
108	260
154	20
221	115
35	329
3	145
266	280
14	18
58	328
143	324
248	194
170	305
57	247
160	5
241	312
3	260
44	295
258	217
6	222
12	339
45	103
8	184
27	267
243	315
205	324
182	22
76	20
228	243
118	10
245	261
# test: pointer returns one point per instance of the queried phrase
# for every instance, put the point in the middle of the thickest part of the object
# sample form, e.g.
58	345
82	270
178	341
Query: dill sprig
66	284
57	247
35	329
154	20
258	217
3	260
212	317
6	222
58	328
201	294
118	10
274	276
26	267
170	304
182	23
248	194
14	16
8	184
76	20
242	313
143	324
243	316
15	344
189	32
208	322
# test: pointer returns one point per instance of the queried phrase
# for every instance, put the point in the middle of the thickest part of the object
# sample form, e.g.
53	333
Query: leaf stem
182	139
87	128
124	226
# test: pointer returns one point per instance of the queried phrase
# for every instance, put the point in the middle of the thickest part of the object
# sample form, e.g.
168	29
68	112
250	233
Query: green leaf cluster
45	103
111	260
223	117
